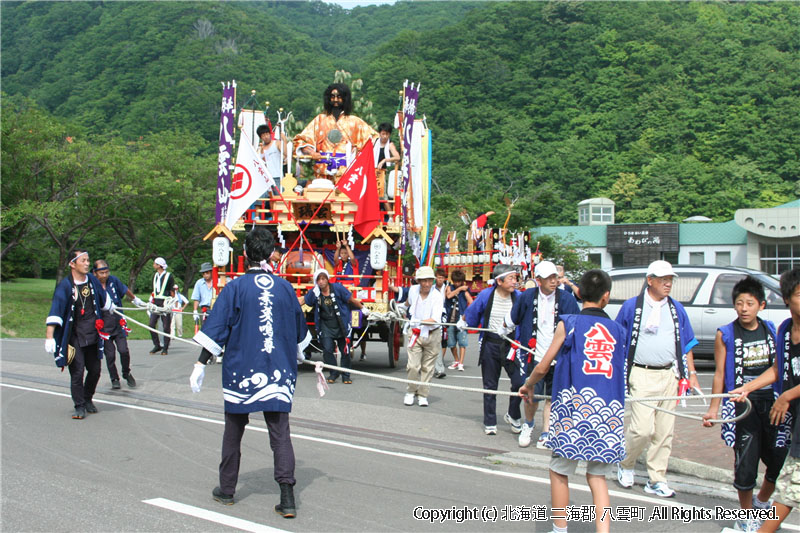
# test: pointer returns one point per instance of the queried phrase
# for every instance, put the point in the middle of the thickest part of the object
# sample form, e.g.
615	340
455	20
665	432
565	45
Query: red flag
359	184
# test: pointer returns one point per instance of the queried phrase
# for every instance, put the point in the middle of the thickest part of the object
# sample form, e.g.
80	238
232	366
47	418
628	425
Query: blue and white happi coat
588	404
65	298
259	323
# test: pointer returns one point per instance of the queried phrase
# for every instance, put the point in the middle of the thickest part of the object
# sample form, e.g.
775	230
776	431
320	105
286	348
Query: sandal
331	380
347	381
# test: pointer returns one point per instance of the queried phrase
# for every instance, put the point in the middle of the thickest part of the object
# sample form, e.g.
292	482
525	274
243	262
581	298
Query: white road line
211	516
522	477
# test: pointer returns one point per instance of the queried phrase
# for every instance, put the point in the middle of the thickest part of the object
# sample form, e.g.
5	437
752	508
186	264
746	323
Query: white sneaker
516	424
525	434
408	399
749	526
453	366
758	504
660	489
460	367
422	402
541	443
490	430
625	476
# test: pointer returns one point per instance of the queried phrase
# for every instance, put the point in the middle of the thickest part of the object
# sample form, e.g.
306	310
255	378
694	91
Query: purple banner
410	97
226	125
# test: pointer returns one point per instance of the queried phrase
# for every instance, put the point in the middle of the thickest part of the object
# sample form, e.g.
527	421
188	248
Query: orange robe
354	131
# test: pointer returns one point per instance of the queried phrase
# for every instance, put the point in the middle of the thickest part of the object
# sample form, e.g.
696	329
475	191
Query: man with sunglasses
334	135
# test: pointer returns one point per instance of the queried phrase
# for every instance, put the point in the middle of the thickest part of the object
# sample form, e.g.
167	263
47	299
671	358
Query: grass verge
25	305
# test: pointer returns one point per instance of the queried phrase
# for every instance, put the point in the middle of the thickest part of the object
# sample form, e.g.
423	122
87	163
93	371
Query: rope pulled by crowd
322	386
394	314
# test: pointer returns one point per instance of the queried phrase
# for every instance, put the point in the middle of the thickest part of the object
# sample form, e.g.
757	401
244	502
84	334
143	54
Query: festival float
309	214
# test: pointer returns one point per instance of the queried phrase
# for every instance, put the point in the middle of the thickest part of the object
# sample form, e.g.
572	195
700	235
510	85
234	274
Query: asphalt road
148	460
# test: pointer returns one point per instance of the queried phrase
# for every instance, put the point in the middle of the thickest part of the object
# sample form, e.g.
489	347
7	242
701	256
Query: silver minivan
705	293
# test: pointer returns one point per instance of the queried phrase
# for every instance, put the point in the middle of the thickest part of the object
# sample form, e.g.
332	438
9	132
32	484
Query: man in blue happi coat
659	358
331	303
489	310
258	321
75	330
115	326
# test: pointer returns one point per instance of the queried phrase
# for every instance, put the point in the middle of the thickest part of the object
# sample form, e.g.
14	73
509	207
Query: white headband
504	274
77	256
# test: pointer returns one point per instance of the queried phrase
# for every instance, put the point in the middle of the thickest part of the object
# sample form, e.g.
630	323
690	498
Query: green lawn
25	305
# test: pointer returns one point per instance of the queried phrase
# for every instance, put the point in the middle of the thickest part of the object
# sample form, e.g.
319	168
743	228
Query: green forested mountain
671	109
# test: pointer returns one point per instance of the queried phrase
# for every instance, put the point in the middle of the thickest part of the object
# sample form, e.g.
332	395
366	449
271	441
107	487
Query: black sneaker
155	350
79	414
221	497
131	381
115	384
90	408
164	351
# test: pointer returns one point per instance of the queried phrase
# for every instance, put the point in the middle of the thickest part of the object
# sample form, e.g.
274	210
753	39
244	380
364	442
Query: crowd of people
548	344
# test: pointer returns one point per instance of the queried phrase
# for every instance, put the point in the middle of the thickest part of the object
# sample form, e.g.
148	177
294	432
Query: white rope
748	405
392	315
395	314
145	326
163	310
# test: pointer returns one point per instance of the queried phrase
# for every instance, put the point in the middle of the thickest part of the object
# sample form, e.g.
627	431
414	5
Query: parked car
705	293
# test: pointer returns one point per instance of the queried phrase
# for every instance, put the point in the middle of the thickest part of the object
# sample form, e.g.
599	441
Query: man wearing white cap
489	310
424	334
331	303
537	312
163	287
659	355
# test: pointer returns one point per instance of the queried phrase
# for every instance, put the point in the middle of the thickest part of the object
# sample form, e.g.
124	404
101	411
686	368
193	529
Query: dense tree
671	109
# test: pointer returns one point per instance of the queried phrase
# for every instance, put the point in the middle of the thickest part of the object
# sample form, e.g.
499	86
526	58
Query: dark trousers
491	360
166	320
86	359
280	441
111	356
328	346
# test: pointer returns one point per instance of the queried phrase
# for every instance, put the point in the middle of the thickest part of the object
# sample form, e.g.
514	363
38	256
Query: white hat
319	272
425	272
545	269
160	262
660	269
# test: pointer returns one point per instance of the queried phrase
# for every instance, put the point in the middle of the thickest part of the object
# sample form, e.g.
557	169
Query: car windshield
772	289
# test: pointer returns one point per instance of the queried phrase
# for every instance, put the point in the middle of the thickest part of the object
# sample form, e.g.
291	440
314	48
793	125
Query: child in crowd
588	404
745	349
457	299
786	372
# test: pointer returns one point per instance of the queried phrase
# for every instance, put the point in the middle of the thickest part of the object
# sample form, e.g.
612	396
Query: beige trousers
648	426
421	360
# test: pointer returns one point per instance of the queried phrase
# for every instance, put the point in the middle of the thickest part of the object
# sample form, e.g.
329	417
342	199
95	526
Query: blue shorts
456	336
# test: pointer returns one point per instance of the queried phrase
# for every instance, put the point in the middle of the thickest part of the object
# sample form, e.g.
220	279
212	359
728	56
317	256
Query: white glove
138	302
462	324
316	291
196	379
300	355
196	316
50	345
151	308
415	323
